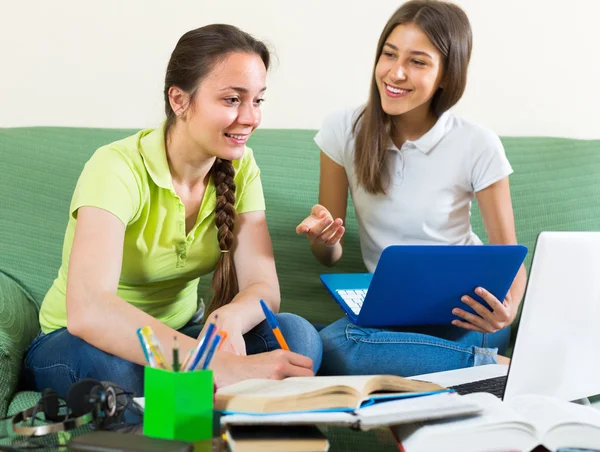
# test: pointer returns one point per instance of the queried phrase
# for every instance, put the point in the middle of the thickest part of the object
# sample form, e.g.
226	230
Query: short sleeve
249	191
109	183
491	164
333	136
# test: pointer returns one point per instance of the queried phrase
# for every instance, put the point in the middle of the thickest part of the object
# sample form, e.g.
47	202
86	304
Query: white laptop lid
557	347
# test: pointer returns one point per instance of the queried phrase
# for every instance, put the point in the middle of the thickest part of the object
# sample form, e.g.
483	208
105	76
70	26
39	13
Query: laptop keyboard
353	298
492	385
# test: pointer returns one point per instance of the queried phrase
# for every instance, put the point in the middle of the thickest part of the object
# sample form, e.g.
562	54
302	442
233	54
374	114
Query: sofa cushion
18	327
22	401
39	169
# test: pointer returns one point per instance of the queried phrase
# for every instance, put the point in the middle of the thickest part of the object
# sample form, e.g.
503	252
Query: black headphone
88	400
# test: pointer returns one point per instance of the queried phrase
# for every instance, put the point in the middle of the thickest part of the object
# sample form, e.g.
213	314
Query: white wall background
535	68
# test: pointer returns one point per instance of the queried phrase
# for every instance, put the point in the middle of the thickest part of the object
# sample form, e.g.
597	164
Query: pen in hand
272	321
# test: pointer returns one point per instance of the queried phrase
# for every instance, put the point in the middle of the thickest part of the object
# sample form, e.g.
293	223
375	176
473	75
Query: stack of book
282	415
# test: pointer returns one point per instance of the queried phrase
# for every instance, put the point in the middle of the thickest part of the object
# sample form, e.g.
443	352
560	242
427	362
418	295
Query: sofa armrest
19	325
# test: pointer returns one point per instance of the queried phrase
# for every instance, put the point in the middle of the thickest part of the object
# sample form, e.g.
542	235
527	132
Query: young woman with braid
154	212
413	168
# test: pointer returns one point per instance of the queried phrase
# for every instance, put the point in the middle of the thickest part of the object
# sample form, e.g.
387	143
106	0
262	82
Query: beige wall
535	67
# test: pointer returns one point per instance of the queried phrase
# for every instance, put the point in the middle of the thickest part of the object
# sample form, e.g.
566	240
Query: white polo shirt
433	181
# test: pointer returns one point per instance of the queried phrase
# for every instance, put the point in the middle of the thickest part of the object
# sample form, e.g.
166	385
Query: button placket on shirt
182	246
401	167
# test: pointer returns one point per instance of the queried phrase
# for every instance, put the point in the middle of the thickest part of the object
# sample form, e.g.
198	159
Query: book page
495	413
364	385
393	383
497	424
352	384
295	386
547	413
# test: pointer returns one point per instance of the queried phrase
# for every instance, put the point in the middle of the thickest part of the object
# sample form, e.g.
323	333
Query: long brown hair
194	57
448	28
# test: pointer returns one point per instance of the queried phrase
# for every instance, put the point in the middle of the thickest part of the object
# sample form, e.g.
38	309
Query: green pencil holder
178	405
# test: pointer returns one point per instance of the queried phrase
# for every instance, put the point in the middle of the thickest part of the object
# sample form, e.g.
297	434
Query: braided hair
224	282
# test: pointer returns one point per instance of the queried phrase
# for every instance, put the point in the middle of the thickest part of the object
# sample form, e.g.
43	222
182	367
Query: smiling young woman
154	212
413	168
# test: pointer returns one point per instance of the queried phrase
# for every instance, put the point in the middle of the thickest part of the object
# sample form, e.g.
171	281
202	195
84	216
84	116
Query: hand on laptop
487	321
320	226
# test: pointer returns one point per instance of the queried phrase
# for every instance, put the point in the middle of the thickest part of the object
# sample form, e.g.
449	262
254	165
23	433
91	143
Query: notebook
421	284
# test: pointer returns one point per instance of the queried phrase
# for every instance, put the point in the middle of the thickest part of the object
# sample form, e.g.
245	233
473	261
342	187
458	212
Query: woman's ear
179	100
442	84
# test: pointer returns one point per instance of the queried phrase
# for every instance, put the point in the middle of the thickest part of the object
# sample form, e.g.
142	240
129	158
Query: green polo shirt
161	265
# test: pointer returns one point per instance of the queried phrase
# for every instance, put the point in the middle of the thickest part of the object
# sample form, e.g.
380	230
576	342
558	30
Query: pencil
187	359
176	366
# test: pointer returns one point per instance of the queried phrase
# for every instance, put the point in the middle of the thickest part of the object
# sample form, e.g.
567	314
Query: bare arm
496	210
94	312
324	227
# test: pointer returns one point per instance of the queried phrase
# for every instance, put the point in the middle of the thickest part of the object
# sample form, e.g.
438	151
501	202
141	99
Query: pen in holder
178	405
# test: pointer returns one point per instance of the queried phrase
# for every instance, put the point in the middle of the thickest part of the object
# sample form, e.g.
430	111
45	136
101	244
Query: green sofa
556	186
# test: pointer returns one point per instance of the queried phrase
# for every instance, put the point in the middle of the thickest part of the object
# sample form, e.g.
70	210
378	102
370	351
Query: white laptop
556	348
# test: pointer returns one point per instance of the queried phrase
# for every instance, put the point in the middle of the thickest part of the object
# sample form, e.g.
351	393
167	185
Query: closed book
275	438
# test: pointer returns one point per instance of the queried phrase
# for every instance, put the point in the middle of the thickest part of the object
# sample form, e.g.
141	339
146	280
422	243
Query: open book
342	393
522	423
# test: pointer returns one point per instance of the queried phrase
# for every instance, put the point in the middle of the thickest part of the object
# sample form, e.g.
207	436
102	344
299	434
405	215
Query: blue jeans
349	349
59	359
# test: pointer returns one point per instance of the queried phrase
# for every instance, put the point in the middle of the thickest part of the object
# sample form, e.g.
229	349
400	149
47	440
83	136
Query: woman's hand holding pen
320	227
228	322
274	365
501	315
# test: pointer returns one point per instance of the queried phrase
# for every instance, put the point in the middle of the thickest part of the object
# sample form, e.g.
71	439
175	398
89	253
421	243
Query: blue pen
144	346
211	351
205	342
272	321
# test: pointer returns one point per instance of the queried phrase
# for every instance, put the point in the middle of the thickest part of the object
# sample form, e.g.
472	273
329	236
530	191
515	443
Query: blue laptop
421	284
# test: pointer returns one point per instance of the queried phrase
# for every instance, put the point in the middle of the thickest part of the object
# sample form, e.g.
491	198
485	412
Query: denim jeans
59	359
349	349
